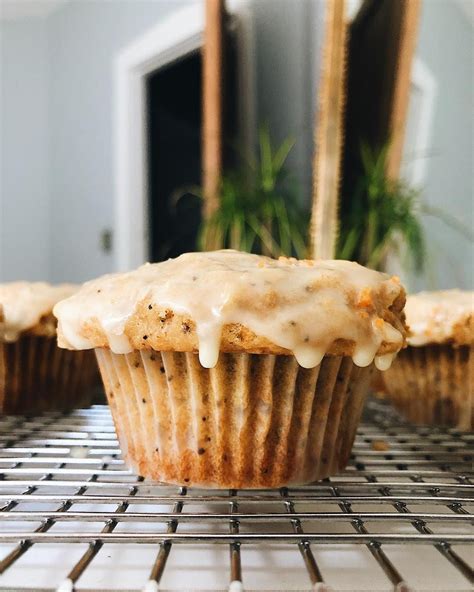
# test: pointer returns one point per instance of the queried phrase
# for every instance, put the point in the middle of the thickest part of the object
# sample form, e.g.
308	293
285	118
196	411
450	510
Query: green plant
258	209
384	216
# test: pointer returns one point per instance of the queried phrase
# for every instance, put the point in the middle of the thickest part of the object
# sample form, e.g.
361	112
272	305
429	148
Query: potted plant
258	207
384	217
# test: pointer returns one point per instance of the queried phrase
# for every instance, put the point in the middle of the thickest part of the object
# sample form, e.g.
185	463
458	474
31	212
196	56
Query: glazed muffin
432	380
35	375
226	369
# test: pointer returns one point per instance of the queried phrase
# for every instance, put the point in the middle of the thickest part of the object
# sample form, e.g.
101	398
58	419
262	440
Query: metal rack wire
63	486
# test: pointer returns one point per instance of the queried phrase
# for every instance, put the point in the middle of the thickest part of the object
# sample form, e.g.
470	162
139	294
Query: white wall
24	156
85	37
445	45
56	185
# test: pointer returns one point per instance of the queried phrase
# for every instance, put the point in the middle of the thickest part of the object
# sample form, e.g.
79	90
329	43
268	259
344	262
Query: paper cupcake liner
434	385
37	376
252	421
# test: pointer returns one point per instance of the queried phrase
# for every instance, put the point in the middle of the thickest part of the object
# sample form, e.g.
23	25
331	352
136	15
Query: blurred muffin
226	369
432	380
35	375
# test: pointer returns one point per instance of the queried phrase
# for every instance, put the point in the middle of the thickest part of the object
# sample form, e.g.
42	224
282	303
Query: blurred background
135	130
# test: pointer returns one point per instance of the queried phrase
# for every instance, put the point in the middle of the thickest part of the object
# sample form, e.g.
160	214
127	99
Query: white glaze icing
302	306
433	316
25	303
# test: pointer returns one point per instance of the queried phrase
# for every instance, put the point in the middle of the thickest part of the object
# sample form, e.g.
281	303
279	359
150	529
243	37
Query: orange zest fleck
365	299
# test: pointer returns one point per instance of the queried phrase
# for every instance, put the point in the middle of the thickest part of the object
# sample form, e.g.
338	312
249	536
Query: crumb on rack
380	445
79	452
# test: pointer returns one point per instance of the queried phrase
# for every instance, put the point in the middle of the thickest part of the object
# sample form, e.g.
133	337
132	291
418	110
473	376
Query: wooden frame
212	103
380	48
380	57
329	134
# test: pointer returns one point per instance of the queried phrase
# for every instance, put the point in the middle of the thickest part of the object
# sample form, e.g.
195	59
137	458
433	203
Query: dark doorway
174	102
174	156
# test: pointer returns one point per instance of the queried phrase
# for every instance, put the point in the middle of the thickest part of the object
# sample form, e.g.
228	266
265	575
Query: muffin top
28	307
446	316
236	302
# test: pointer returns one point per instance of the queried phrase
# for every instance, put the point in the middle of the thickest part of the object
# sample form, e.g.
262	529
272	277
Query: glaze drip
301	306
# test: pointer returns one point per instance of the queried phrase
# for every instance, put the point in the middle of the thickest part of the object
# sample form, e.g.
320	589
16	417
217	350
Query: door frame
175	37
415	158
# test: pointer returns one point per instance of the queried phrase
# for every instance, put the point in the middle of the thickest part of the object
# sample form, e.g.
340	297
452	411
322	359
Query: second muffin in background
35	375
432	380
231	370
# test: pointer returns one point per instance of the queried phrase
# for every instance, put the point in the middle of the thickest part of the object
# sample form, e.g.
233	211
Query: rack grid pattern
58	472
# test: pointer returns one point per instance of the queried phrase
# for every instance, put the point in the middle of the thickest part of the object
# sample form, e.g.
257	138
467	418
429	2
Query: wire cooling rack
72	517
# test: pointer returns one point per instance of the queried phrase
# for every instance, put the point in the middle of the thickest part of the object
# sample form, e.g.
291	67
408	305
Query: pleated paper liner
37	376
252	421
434	385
